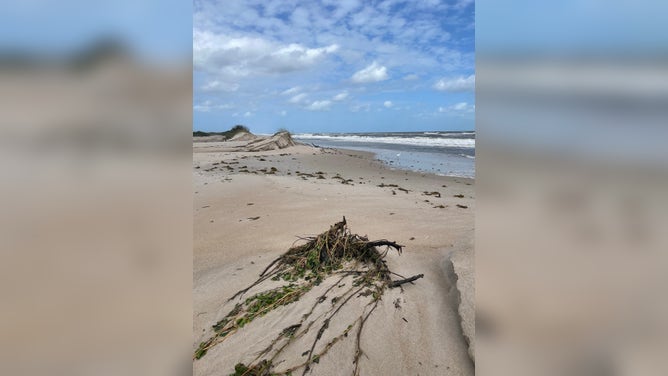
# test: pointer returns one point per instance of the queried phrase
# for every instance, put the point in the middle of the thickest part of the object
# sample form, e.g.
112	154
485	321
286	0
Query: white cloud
387	104
298	98
292	90
207	106
456	84
283	113
340	96
239	57
345	7
300	17
461	107
360	107
319	105
248	114
294	57
411	77
220	86
372	73
461	4
203	107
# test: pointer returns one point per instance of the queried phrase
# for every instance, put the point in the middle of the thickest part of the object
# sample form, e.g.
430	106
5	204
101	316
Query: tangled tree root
334	252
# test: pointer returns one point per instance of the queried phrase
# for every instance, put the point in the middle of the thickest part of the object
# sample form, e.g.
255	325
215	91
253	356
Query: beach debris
253	218
343	180
330	259
462	206
383	185
459	196
435	194
400	282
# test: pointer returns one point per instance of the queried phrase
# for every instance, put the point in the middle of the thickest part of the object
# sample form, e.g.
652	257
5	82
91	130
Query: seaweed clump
336	252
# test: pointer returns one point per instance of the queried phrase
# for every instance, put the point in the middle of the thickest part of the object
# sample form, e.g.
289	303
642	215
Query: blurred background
96	212
96	226
571	105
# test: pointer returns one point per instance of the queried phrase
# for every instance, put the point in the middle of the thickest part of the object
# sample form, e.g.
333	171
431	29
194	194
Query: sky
333	65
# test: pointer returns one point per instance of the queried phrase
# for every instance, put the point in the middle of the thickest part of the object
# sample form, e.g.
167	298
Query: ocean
450	153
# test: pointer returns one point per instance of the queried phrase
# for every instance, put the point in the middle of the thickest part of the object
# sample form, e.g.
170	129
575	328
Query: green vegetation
227	134
255	306
282	130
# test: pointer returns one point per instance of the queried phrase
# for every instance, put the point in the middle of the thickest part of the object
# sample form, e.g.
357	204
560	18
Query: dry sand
245	217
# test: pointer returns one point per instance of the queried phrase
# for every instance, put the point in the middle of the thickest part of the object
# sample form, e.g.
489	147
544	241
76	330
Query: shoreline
392	167
228	147
384	156
250	207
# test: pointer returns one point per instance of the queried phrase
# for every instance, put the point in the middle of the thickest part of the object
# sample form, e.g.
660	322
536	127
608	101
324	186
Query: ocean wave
418	141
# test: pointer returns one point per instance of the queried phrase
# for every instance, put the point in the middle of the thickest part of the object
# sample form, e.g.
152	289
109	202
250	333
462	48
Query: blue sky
333	65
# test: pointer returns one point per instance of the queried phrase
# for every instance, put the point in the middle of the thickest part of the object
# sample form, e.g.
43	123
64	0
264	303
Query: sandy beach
250	207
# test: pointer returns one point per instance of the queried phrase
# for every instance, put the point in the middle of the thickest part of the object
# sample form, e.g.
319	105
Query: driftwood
398	283
317	260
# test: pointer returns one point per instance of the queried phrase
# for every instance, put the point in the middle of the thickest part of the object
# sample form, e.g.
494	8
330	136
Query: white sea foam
417	141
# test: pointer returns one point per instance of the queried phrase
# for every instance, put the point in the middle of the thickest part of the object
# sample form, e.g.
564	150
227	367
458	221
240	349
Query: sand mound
214	138
280	140
243	136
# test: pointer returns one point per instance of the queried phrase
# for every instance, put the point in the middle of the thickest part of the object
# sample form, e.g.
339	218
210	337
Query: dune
243	136
280	140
